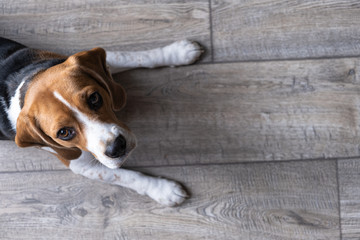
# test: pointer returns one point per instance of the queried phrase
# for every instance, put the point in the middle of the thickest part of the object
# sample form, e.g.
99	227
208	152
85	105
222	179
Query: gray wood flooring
263	131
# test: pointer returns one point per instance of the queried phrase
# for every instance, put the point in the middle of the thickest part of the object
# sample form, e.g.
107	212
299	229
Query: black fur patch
17	63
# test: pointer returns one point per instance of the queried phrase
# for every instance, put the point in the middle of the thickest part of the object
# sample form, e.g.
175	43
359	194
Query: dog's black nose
117	148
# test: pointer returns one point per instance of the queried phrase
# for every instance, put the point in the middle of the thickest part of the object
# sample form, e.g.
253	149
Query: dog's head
70	107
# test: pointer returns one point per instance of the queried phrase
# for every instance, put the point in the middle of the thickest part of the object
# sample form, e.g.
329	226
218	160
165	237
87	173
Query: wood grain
70	26
244	112
295	200
349	181
284	29
16	159
237	112
201	118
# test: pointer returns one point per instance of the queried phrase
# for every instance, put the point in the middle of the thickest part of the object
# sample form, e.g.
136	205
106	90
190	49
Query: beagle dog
65	105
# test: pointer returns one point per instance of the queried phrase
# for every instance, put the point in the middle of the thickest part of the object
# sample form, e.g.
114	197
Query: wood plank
349	180
293	200
70	26
239	112
15	159
284	29
244	112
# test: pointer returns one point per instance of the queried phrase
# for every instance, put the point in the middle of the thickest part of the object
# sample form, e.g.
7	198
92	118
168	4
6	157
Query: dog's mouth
125	156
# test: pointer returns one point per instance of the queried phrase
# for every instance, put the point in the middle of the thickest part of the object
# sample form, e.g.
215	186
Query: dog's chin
114	163
114	166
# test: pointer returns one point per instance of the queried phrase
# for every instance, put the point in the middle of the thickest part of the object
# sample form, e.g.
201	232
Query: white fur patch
14	109
178	53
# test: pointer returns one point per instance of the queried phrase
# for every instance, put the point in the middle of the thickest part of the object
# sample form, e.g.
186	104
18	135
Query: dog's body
65	105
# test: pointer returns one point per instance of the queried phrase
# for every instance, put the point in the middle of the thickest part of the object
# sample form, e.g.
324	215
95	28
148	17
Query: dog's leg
164	191
182	52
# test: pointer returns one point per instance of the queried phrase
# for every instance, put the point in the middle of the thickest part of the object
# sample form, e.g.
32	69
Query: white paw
166	192
183	52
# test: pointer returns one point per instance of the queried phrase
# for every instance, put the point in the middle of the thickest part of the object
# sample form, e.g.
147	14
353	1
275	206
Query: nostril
120	142
117	148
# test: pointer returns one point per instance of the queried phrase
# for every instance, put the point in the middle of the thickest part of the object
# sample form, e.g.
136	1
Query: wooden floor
264	131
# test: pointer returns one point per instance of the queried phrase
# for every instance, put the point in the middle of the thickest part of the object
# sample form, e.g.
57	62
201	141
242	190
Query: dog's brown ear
93	62
29	133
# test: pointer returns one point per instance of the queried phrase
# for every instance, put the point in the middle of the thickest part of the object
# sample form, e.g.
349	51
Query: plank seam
249	162
282	59
211	32
202	164
339	197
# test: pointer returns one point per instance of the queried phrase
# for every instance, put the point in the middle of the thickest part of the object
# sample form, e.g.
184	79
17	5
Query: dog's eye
66	133
95	101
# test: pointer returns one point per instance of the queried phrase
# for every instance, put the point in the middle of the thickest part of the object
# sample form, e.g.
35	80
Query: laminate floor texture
264	131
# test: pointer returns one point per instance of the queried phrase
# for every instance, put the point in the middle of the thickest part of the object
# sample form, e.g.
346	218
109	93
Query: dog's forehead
66	83
69	79
49	109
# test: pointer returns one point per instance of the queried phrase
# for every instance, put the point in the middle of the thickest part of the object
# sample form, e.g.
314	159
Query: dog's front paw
167	192
183	52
